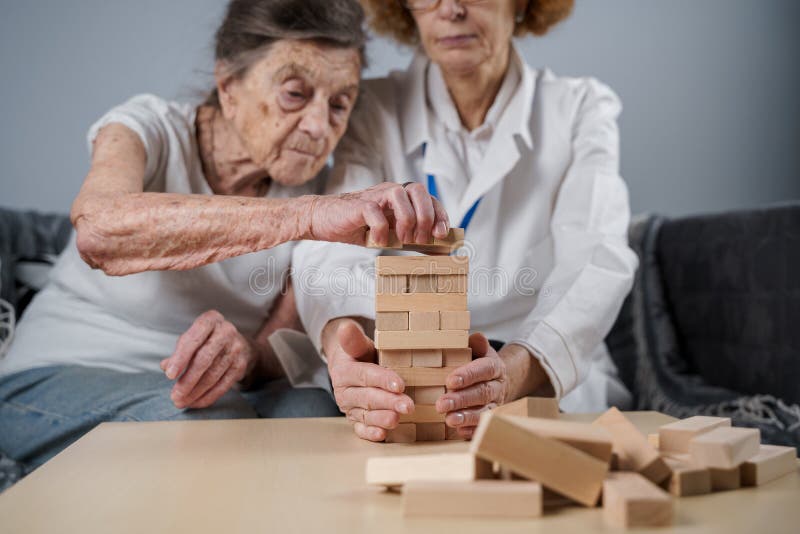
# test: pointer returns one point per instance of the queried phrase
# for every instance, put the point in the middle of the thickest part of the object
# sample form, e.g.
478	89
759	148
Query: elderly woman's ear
225	83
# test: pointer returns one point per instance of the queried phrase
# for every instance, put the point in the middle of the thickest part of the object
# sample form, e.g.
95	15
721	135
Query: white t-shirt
130	323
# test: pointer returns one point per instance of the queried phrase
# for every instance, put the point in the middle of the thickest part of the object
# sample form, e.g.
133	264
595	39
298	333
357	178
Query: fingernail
458	417
441	228
458	382
451	405
171	372
403	407
394	385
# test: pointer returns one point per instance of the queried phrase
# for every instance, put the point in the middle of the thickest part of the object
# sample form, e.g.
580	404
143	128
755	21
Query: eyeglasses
430	5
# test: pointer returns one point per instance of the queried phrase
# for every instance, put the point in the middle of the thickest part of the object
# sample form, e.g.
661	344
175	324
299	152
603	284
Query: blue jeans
44	410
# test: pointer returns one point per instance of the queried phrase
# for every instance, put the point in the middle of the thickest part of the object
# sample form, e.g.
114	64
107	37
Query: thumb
479	345
354	341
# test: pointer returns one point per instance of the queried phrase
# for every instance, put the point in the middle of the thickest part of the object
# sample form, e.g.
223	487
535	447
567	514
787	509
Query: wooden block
454	320
725	447
391	321
630	500
421	339
675	437
480	498
592	440
542	407
652	439
454	283
633	451
397	470
417	265
428	394
554	464
424	283
423	413
403	433
394	241
426	358
395	359
725	479
420	302
451	433
424	376
431	432
391	285
424	320
771	462
687	479
456	357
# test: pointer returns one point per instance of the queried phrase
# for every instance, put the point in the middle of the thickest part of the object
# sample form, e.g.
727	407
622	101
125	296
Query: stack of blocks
421	332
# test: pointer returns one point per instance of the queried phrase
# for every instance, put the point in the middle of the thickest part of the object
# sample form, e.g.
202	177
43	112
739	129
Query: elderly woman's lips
457	40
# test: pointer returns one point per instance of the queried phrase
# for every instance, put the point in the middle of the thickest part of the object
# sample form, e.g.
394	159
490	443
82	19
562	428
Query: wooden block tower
422	329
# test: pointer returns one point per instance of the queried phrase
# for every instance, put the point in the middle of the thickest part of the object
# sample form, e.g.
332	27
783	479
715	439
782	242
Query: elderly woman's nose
449	9
315	120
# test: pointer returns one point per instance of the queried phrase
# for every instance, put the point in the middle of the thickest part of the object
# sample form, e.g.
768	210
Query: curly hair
391	18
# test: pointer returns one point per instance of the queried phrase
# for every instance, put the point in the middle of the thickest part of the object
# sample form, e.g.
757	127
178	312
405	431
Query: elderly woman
203	203
528	163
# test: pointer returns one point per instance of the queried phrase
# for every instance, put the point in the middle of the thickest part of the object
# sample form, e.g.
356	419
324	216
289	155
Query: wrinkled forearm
129	233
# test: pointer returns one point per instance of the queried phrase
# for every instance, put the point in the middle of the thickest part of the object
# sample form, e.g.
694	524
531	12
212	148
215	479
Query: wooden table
298	475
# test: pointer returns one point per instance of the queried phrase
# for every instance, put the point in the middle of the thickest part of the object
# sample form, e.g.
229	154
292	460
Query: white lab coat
550	265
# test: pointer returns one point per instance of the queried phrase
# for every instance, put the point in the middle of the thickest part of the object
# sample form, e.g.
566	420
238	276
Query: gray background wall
711	120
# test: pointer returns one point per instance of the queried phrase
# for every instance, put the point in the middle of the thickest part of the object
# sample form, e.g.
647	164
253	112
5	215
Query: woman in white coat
528	163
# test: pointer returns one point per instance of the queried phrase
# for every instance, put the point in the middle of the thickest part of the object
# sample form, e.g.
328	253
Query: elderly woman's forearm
130	233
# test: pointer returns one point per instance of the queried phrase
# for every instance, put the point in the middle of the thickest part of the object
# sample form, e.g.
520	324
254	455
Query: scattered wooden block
420	339
395	359
424	376
391	285
426	358
725	479
652	439
403	433
553	463
454	283
542	407
630	500
417	265
391	321
423	320
725	447
431	431
480	498
397	470
423	283
454	320
675	437
771	462
592	440
687	479
456	357
420	302
633	451
423	413
428	394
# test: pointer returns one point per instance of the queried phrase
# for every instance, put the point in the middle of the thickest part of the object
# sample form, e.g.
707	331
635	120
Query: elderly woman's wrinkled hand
209	359
417	215
370	396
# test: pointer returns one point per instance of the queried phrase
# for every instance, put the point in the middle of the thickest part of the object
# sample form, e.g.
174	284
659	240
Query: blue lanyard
434	192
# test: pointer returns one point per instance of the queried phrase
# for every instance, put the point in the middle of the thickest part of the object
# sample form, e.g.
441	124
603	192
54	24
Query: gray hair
250	27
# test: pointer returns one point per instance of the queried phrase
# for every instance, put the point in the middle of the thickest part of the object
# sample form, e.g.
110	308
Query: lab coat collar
416	116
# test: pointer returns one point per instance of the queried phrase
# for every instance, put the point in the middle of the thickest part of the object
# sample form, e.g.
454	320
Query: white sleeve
145	116
331	279
594	267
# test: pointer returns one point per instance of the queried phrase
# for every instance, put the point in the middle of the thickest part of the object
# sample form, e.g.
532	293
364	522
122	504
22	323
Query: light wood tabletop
299	475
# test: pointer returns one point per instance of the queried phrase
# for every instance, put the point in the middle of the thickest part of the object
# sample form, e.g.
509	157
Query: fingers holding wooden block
481	498
630	500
